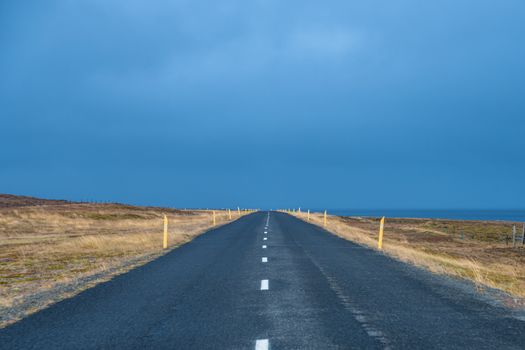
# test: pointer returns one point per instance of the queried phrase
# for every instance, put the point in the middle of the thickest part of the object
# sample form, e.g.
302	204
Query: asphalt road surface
293	287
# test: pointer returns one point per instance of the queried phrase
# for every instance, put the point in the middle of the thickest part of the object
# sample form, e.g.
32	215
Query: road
294	287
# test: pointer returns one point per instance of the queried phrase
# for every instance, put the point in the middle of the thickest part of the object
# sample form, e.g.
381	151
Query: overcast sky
336	104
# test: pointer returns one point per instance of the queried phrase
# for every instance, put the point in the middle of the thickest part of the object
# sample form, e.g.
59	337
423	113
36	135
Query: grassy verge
466	249
46	247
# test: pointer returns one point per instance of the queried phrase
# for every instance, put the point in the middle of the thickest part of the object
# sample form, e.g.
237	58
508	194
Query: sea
455	214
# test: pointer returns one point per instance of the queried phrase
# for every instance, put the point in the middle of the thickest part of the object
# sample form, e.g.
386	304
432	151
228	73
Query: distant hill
10	200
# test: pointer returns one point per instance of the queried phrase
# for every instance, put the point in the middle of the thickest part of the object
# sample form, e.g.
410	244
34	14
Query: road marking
264	259
264	247
264	285
265	238
261	344
265	232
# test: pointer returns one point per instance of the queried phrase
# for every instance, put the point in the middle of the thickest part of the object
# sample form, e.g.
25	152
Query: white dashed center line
264	285
264	344
261	344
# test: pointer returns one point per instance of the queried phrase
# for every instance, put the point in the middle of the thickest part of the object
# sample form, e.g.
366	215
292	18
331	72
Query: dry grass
466	249
46	246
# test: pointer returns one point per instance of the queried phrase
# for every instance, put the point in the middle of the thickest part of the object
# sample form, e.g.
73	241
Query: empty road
270	281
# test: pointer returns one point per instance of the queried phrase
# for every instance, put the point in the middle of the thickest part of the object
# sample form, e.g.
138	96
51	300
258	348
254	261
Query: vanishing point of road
271	281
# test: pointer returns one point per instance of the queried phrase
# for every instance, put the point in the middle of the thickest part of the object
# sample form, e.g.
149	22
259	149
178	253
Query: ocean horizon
454	214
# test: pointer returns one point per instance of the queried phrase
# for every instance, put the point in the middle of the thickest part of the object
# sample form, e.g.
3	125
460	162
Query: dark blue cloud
265	103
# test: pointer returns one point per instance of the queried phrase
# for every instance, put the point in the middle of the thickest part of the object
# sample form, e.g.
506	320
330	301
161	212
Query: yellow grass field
466	249
44	247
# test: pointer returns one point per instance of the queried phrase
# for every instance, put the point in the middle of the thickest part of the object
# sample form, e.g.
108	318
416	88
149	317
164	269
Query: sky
265	104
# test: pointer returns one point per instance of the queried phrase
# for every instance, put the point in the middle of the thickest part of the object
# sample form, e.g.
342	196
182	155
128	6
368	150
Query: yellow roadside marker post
324	219
229	214
214	221
308	214
381	228
165	240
